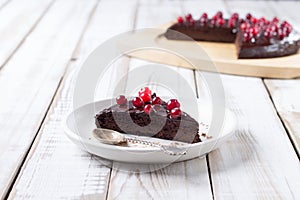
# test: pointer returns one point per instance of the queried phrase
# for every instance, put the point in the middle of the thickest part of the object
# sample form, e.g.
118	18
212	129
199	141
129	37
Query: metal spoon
113	137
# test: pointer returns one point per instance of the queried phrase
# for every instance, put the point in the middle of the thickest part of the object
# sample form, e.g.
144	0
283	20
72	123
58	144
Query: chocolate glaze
201	32
188	131
261	48
267	48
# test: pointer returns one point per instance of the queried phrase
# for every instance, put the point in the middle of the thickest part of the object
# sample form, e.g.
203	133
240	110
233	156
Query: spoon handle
170	150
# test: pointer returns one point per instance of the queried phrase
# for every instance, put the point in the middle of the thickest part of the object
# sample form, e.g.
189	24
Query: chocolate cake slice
253	37
149	119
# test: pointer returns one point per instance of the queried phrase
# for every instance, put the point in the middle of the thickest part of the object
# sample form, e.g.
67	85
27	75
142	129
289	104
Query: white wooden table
42	43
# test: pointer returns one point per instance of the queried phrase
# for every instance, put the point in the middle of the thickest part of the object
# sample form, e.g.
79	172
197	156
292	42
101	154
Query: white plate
80	132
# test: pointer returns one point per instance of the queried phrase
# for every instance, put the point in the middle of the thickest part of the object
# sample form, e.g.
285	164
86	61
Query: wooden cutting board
224	57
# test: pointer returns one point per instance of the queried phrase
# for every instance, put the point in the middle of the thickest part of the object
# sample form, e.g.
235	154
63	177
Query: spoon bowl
107	136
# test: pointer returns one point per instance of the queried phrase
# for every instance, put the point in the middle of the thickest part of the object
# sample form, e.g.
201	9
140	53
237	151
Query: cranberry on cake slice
147	109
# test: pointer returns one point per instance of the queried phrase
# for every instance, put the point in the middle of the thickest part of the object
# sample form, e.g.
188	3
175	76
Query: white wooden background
43	42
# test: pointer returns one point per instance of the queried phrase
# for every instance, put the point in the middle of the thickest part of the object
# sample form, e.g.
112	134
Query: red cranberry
137	102
253	20
180	20
288	25
192	21
215	17
267	22
204	15
275	20
247	30
145	90
248	16
173	103
157	101
267	34
242	21
262	19
269	29
203	20
219	14
175	113
235	16
188	17
231	23
220	22
121	100
274	28
148	109
281	34
286	30
244	26
254	30
212	22
146	97
285	24
247	37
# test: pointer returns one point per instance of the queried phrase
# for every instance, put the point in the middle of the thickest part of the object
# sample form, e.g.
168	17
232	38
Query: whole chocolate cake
253	37
148	115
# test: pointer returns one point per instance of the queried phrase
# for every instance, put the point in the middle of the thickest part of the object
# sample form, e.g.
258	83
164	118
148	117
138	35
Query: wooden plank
17	19
285	94
30	79
106	28
259	162
56	168
184	180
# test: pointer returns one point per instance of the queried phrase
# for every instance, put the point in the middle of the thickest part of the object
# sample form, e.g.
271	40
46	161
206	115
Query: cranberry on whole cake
253	37
216	29
166	118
